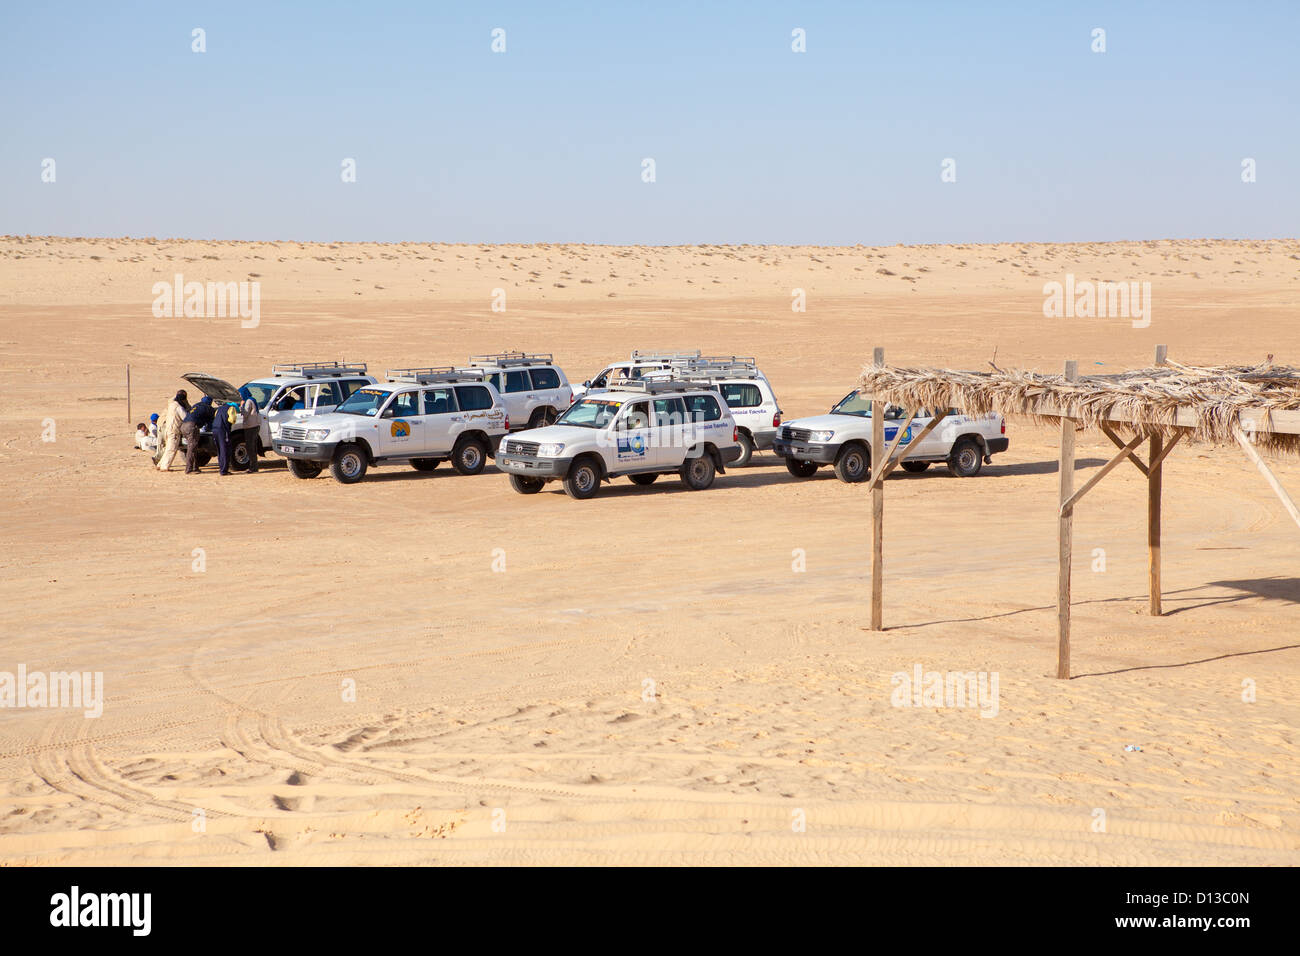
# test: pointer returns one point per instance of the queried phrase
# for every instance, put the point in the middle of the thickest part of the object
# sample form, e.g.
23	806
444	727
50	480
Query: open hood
216	388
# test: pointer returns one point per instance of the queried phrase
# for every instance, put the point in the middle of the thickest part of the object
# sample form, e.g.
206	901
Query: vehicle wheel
746	449
425	464
349	464
469	456
801	469
583	479
915	467
304	469
202	458
541	418
853	464
643	479
525	485
239	456
698	473
966	459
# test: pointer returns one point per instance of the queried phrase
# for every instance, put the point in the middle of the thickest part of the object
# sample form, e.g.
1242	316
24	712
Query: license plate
286	448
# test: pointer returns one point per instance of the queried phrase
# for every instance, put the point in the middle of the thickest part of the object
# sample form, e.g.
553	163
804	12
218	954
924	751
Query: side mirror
587	384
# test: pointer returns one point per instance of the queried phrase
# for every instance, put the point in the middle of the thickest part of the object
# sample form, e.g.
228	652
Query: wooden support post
1065	523
128	393
1267	472
877	507
1154	476
1119	443
880	474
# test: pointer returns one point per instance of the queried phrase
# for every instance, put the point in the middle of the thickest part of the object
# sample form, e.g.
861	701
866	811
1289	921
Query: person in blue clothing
221	435
200	416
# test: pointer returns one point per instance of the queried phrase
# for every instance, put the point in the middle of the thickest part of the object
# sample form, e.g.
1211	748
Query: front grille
293	432
522	447
796	434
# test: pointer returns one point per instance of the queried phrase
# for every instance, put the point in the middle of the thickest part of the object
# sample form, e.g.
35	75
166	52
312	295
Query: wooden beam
893	463
877	511
1178	436
1162	355
1154	480
1267	472
1106	469
1119	443
1065	529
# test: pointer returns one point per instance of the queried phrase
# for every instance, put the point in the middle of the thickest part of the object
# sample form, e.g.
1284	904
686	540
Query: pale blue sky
752	142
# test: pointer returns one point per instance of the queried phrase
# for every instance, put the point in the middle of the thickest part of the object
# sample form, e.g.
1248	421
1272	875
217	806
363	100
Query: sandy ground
501	716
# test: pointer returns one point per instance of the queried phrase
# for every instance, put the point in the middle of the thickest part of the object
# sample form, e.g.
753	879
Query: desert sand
501	716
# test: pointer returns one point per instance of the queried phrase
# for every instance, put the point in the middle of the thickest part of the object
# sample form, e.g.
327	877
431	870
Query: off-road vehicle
640	430
534	388
842	438
419	416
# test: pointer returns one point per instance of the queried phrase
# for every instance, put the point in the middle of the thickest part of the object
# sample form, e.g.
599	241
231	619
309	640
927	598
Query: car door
632	437
401	426
515	389
443	420
932	445
669	436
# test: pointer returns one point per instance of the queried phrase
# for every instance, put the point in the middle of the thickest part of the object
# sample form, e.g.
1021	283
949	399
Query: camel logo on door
401	429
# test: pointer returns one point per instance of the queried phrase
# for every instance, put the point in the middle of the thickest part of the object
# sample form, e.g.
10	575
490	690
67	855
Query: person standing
252	430
200	416
170	431
221	435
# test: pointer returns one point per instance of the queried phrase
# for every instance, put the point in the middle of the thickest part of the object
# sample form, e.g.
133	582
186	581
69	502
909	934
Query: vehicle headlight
318	434
550	451
821	436
275	428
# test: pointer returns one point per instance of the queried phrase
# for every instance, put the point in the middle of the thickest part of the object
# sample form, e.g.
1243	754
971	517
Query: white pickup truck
842	438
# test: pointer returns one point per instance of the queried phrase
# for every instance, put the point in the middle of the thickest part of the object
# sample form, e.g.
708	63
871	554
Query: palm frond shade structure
1256	407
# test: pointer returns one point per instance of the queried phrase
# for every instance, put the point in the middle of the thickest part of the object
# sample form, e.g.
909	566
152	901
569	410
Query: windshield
364	401
854	403
590	413
259	392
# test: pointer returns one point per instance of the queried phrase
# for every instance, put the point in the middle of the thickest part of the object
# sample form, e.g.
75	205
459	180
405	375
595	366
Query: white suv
640	363
743	387
293	391
640	430
535	389
422	416
843	438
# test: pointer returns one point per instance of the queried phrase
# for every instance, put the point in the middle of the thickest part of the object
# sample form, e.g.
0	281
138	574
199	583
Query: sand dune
501	717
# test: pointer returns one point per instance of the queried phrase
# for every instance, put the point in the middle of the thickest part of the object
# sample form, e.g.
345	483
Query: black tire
915	467
853	463
525	485
801	469
697	473
966	459
643	479
469	457
304	469
425	464
583	480
239	455
542	417
202	458
746	449
349	464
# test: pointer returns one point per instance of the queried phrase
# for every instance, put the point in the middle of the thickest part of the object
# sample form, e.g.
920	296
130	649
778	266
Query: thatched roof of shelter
1204	404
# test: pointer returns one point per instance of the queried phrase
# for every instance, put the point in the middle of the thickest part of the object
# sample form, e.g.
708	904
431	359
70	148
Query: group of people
184	423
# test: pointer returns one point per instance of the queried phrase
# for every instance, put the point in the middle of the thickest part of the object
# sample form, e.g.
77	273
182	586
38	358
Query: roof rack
512	358
319	369
652	355
652	386
442	374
